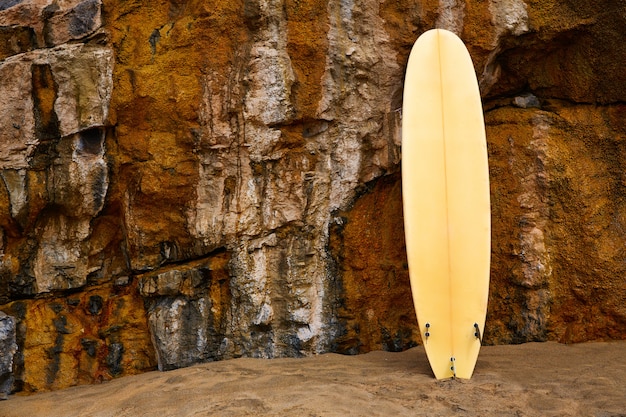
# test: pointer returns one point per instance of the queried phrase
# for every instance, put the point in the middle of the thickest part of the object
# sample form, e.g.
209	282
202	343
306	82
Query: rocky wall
8	348
196	181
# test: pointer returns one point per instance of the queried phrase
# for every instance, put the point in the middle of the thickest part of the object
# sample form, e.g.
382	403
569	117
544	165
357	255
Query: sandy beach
535	379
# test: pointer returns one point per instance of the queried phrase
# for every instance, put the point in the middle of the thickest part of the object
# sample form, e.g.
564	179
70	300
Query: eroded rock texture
8	347
197	181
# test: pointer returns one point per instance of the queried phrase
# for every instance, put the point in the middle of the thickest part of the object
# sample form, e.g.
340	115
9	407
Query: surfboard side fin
453	366
477	331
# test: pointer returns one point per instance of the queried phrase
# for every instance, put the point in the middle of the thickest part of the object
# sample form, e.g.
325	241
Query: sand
535	379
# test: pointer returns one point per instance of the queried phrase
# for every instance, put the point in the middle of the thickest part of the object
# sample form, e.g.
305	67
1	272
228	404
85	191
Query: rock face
8	347
189	182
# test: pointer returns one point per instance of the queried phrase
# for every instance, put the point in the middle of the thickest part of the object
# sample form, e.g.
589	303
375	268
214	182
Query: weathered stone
188	309
556	201
179	328
188	280
62	343
569	53
367	243
527	101
15	40
78	182
77	21
114	358
8	347
9	3
48	23
286	316
53	93
53	163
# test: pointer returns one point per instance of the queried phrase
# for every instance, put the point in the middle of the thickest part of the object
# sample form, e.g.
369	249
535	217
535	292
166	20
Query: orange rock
376	306
81	338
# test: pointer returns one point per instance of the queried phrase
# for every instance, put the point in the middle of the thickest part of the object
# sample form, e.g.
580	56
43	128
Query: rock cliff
196	181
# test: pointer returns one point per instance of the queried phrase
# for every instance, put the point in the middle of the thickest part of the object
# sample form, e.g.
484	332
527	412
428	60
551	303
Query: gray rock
49	23
8	347
9	3
75	23
180	331
174	282
527	101
114	358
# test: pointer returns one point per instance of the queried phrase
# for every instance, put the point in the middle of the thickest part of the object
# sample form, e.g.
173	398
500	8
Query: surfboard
445	188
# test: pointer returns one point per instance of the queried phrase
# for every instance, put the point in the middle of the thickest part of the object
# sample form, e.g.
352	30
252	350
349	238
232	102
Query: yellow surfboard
445	188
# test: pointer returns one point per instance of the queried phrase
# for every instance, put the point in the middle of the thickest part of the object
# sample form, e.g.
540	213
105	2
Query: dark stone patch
91	141
44	155
44	95
60	324
402	340
110	332
99	187
56	307
154	39
5	276
50	10
8	348
48	13
54	354
90	346
6	4
293	346
170	251
83	18
16	40
114	358
312	129
73	302
95	304
230	187
253	14
22	285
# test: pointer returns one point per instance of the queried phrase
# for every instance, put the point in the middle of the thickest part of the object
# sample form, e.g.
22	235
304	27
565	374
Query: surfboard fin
427	332
453	366
477	331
